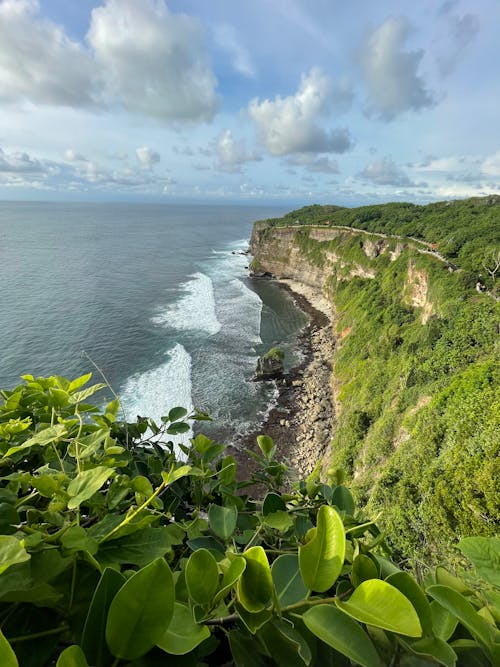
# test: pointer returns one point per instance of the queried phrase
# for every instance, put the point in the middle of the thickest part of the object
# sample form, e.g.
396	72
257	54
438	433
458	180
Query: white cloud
290	125
391	73
231	154
385	172
460	31
147	157
491	165
229	41
71	155
314	164
154	61
39	62
20	163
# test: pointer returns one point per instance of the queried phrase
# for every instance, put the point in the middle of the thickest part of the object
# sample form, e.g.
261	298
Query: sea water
157	296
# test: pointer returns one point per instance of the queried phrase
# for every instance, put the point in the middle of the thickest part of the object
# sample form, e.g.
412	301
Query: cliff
415	381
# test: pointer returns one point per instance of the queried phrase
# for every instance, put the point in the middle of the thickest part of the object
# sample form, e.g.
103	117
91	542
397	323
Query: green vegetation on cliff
416	367
115	553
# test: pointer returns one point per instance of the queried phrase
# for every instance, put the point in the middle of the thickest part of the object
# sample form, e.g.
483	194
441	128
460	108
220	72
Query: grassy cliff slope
416	366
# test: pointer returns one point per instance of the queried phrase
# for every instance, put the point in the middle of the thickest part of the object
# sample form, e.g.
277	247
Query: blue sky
286	101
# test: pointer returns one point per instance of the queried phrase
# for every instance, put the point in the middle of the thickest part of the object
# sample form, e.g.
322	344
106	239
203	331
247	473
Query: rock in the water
270	365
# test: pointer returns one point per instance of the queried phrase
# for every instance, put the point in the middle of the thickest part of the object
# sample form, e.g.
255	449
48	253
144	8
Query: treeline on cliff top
419	406
466	231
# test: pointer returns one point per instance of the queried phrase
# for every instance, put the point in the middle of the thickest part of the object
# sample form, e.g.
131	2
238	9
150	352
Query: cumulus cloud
315	164
20	163
147	157
391	73
491	164
231	154
291	124
229	41
385	172
154	61
39	62
137	54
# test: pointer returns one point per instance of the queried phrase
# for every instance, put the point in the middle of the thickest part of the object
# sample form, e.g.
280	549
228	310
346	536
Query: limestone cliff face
322	256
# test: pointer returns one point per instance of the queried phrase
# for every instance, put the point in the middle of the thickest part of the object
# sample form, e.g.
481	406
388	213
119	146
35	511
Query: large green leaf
363	568
288	583
139	548
343	634
342	498
255	586
93	640
410	589
7	655
183	634
285	644
484	553
244	650
266	446
457	605
141	611
321	558
11	552
375	602
202	576
222	520
73	656
86	483
43	437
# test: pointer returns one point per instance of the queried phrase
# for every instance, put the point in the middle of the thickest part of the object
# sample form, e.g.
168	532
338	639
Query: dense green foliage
467	232
114	552
416	367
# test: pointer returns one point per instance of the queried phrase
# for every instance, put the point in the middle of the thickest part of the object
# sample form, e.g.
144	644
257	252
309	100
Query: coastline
302	420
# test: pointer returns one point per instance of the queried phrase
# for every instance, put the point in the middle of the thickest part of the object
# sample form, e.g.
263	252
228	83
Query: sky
269	101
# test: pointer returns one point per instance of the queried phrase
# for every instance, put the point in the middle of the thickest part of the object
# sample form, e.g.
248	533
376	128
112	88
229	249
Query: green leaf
183	634
266	446
272	503
222	520
286	646
434	650
363	568
177	428
484	553
11	552
281	521
202	576
457	605
445	578
343	634
7	655
253	621
138	548
255	586
78	382
231	574
175	473
288	583
43	437
377	603
407	585
177	413
77	539
321	559
244	651
86	483
73	656
94	631
342	498
141	611
80	396
443	623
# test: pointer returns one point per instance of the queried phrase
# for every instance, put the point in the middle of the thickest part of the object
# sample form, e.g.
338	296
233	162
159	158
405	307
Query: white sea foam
194	310
154	392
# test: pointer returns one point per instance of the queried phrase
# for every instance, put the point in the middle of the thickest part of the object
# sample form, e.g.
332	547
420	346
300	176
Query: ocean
156	295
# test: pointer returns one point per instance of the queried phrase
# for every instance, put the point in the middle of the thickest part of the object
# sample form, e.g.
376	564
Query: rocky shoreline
302	421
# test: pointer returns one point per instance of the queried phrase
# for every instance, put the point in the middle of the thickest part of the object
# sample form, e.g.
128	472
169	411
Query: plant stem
37	635
132	516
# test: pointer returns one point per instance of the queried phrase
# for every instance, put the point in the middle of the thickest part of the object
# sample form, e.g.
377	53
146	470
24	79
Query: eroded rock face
269	366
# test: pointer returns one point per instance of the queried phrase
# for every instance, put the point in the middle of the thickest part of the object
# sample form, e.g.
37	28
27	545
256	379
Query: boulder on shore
270	365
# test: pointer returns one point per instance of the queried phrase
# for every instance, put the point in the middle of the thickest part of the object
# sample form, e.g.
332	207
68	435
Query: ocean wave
195	309
154	392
